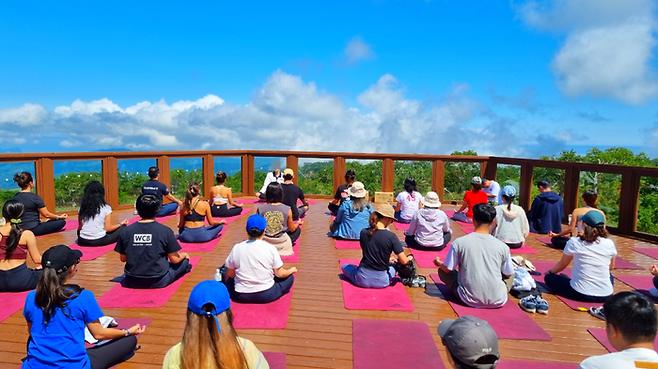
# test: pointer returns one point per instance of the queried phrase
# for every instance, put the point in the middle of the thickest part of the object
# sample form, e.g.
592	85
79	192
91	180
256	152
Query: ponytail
51	293
510	200
193	190
372	229
13	211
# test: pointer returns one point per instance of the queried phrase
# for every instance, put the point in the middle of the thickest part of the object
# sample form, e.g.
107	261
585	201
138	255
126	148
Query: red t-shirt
471	198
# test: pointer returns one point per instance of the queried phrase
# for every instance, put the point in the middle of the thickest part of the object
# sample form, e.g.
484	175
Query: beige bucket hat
386	211
357	190
431	200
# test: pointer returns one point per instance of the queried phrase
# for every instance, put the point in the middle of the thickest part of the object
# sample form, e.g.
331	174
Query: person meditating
408	201
478	268
510	225
341	193
471	198
194	212
209	339
559	239
430	227
222	197
547	210
292	193
35	207
255	270
376	269
15	245
95	226
158	189
150	250
353	214
271	177
57	314
281	230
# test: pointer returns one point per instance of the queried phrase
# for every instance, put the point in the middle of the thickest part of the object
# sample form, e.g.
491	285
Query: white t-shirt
621	360
410	203
254	262
94	228
591	265
493	189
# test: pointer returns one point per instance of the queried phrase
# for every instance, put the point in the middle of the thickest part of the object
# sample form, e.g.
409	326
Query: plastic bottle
218	275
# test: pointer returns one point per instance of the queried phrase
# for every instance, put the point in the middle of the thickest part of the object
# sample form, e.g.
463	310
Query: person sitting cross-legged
292	193
511	225
430	227
154	187
547	210
630	324
353	214
194	213
471	198
150	250
486	270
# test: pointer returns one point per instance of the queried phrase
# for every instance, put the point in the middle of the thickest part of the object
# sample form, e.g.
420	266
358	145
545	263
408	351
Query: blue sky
520	78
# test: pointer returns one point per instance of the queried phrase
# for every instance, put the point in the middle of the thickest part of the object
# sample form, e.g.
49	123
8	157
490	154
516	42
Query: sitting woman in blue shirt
353	214
57	313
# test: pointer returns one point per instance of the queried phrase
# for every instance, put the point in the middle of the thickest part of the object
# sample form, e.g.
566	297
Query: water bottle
218	275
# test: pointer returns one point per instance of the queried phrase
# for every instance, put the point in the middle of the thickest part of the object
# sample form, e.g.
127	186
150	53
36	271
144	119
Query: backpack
408	273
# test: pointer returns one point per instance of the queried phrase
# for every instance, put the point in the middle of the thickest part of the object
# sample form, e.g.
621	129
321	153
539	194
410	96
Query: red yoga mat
392	298
401	226
121	297
641	283
11	303
646	251
517	364
347	244
602	337
276	360
294	258
425	259
273	315
374	343
542	267
509	321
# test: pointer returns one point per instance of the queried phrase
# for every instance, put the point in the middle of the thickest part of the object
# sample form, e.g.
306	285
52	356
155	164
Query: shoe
653	291
542	305
528	304
597	312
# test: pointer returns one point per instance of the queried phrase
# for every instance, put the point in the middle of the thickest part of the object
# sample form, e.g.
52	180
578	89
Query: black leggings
514	245
112	353
109	238
333	208
413	244
51	226
281	287
295	235
19	279
560	284
559	242
222	211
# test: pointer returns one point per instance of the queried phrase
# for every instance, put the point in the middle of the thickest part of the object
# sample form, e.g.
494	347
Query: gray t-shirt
276	217
481	260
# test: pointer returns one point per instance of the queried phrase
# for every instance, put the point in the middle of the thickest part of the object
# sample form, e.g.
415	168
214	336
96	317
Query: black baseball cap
60	258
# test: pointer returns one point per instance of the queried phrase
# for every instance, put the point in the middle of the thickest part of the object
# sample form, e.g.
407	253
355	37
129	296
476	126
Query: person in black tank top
191	227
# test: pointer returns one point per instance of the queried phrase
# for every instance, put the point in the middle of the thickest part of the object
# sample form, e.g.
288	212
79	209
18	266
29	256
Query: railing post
438	177
208	173
628	202
339	172
292	162
110	170
248	175
571	189
45	178
388	175
165	173
490	169
525	187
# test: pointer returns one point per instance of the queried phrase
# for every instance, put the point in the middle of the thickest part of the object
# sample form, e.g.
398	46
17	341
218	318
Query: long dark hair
13	211
410	185
52	293
592	234
93	199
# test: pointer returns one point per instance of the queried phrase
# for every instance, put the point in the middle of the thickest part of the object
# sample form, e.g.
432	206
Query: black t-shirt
377	250
291	192
146	246
157	188
340	193
32	203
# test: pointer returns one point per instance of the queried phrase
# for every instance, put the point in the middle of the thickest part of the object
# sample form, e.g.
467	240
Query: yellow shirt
255	358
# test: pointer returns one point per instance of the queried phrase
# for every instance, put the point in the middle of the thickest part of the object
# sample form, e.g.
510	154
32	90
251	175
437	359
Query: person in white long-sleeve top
511	224
273	176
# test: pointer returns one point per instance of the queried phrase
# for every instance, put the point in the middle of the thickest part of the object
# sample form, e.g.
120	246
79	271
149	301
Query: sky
510	78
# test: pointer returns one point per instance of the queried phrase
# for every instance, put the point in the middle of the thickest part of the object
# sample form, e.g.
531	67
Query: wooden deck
319	330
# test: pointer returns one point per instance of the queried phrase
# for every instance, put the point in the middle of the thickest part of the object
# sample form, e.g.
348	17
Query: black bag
407	271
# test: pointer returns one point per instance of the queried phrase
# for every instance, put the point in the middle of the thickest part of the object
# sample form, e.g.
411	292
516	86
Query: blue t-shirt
154	187
351	222
61	343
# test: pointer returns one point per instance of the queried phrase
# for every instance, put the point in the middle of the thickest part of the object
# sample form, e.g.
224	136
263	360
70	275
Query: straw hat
357	190
386	211
431	200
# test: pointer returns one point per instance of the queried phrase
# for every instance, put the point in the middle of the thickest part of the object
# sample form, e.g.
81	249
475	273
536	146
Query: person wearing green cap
593	255
209	339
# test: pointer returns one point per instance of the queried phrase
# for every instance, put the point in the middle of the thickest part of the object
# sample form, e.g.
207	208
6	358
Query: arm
29	328
612	263
181	217
111	227
177	257
339	214
123	258
231	273
100	333
269	178
569	230
563	263
398	207
412	225
404	259
211	220
47	214
230	199
283	272
27	238
461	208
292	226
173	199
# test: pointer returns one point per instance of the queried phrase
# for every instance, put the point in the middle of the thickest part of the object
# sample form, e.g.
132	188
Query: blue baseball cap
256	221
209	292
509	191
593	218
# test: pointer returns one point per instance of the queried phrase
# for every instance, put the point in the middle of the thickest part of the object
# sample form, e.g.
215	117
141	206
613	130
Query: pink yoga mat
602	337
392	298
127	323
203	246
509	321
11	303
347	244
310	202
121	297
294	258
468	230
425	259
646	251
525	249
518	364
273	315
542	267
451	213
641	283
92	252
230	220
249	201
276	360
71	224
374	346
621	263
401	226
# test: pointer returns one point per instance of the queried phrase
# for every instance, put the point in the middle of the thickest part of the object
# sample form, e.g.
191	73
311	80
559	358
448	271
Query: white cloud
26	115
608	46
357	50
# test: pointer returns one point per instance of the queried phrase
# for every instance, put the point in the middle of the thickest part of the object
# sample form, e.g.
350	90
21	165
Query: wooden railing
628	204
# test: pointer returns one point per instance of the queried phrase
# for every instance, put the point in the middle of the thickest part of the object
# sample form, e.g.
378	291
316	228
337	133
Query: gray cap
471	341
476	180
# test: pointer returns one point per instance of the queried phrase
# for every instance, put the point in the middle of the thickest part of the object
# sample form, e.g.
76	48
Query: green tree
458	176
69	188
421	171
